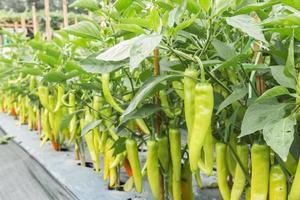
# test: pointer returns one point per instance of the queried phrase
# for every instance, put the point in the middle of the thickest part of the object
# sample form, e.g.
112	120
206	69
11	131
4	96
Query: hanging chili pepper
73	123
189	98
127	167
204	103
206	164
260	155
178	87
230	160
277	185
60	93
240	177
165	103
222	171
153	168
43	94
133	157
186	182
175	150
109	98
163	152
295	191
291	164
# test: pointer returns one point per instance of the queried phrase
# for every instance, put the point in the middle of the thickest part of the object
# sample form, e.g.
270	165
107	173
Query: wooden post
47	20
65	12
75	20
16	23
158	116
34	20
23	24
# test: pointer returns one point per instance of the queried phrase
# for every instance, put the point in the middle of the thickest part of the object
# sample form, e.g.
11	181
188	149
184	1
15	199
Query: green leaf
5	139
234	61
91	5
84	29
137	49
31	71
145	111
248	25
205	4
130	28
257	6
289	68
121	5
224	51
145	90
55	77
279	135
119	145
120	51
281	78
66	121
154	19
142	49
93	65
273	92
292	3
90	126
53	61
237	94
259	114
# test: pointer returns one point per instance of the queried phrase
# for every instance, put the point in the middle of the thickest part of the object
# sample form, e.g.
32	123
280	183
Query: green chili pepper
222	171
133	157
165	103
189	98
60	94
278	186
206	164
186	182
178	87
260	155
175	149
239	177
43	94
153	168
73	123
295	191
204	103
109	98
163	152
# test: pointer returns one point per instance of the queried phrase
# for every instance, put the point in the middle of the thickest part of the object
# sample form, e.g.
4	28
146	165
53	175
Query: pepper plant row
200	83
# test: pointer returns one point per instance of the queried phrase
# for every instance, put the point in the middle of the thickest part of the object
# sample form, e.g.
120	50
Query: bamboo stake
34	20
158	116
47	20
16	24
23	24
65	12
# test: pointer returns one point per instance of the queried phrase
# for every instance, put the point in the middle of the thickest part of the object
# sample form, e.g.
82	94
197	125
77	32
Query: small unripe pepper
204	103
239	177
295	191
222	171
133	157
277	185
260	155
153	168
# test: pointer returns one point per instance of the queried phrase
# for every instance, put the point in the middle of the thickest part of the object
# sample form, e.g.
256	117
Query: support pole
65	12
47	20
23	24
158	116
34	20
